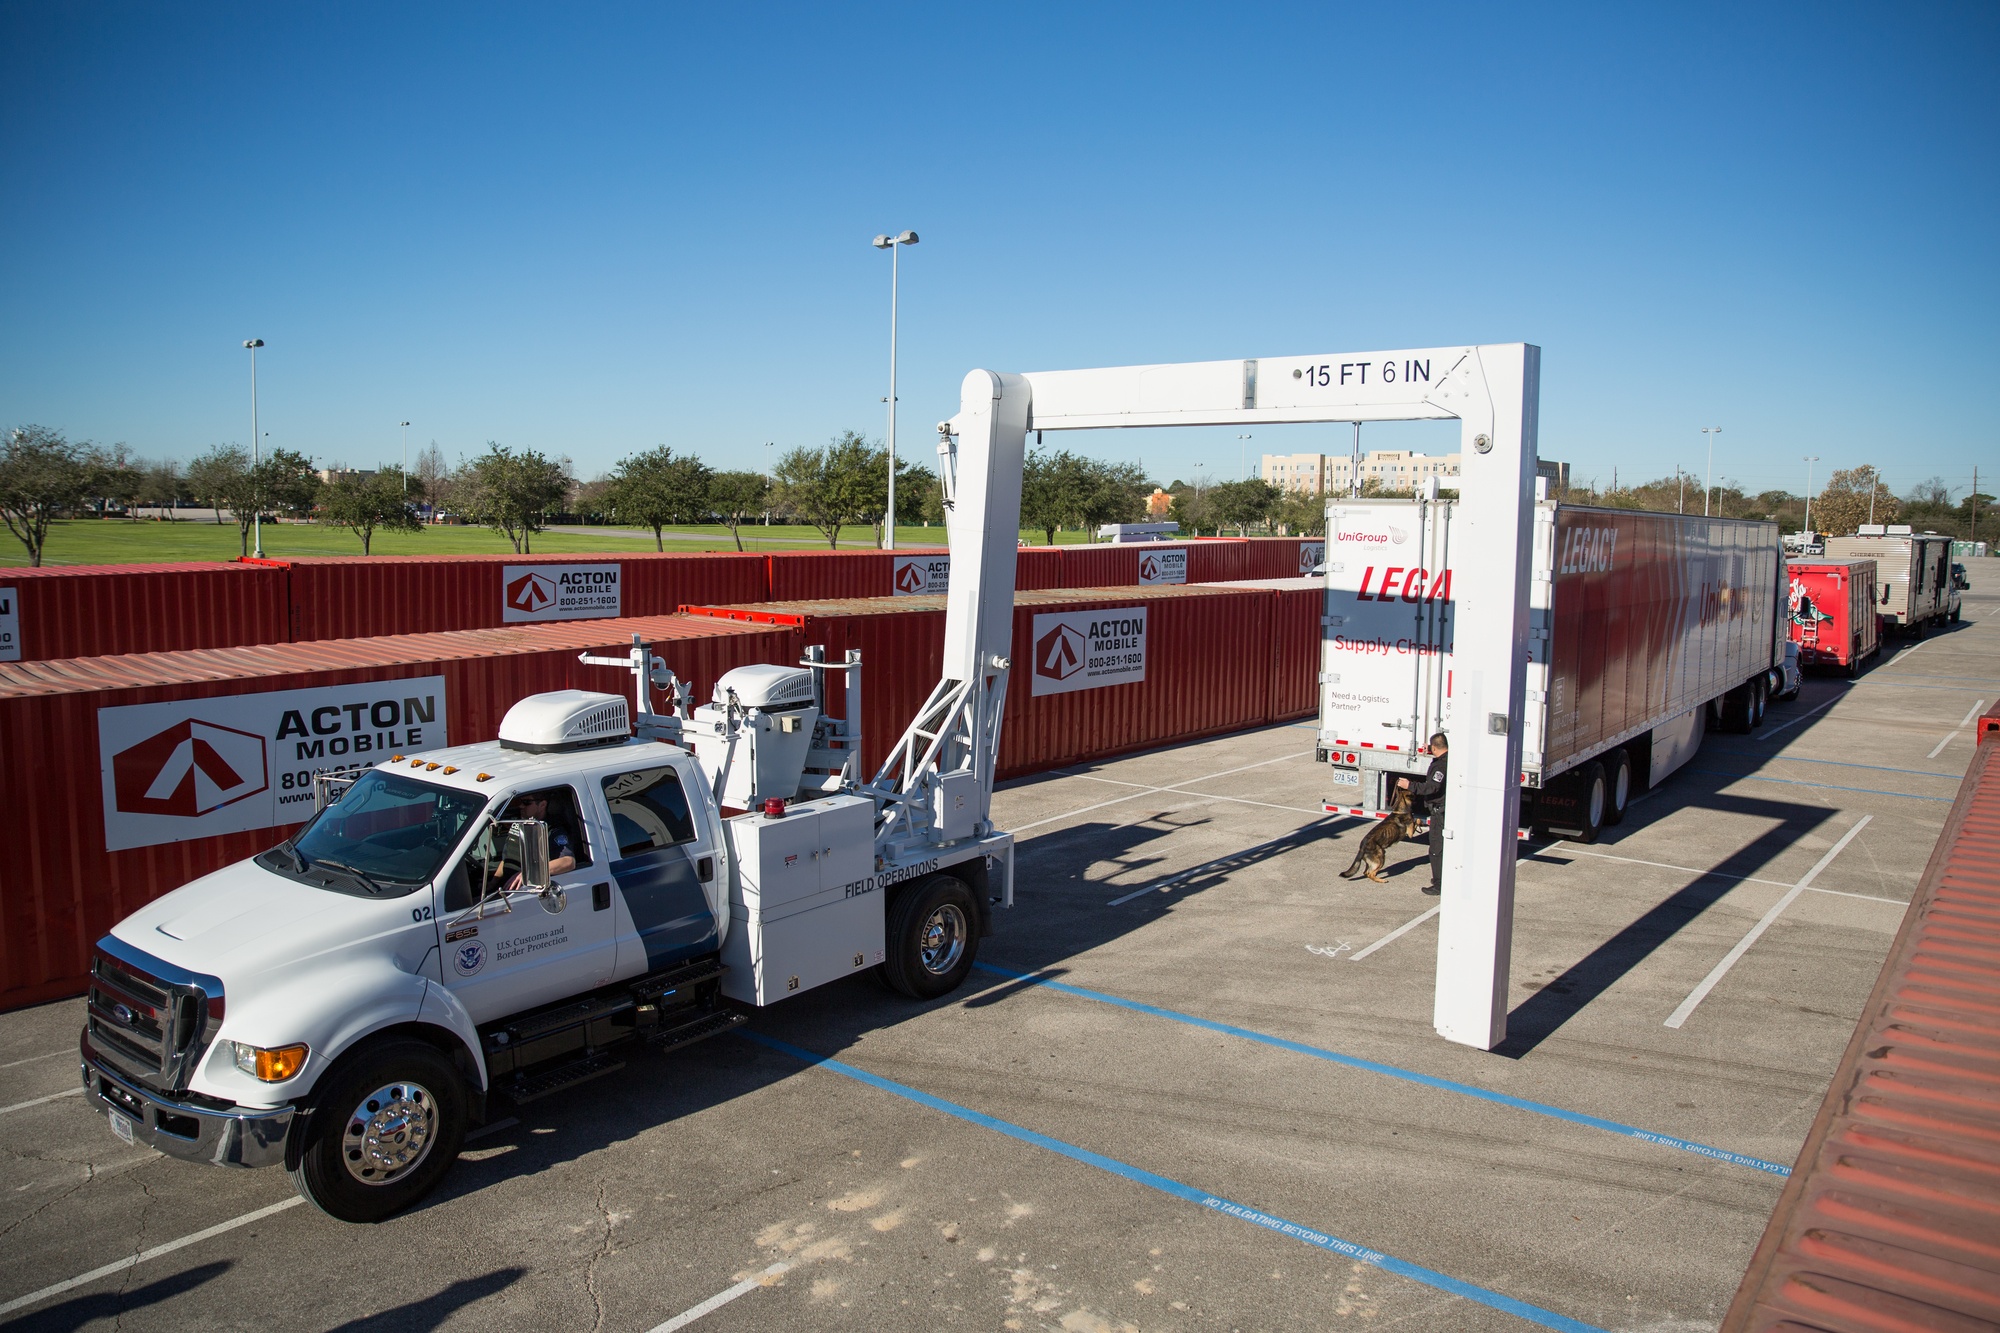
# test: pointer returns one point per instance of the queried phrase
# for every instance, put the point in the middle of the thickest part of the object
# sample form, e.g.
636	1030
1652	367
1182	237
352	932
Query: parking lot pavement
1194	1086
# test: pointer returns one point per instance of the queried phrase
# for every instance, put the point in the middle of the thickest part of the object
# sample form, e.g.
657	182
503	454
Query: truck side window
648	809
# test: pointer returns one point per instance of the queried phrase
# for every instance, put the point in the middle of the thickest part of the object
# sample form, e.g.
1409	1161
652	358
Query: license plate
1346	777
121	1125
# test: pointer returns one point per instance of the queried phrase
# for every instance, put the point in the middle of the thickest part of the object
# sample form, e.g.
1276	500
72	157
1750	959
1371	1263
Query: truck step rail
679	978
530	1026
524	1088
701	1029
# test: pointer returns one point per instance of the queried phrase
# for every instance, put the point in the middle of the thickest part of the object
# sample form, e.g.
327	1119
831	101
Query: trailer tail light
1353	758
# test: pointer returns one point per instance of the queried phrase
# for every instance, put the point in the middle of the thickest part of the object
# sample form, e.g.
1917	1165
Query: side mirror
534	838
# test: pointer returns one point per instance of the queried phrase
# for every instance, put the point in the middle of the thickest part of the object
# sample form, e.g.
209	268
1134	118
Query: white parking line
1721	969
1720	874
1793	722
1152	791
1205	795
1964	722
31	1059
134	1260
1396	934
722	1298
22	1106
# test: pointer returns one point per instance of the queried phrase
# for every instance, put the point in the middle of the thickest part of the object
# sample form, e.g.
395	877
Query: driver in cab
562	839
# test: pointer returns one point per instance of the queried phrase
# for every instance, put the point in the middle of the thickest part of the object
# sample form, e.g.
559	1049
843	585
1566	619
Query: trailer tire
1618	786
1760	696
1593	799
380	1099
933	938
1734	710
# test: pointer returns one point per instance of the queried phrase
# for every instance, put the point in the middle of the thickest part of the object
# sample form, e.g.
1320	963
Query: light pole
769	445
892	244
1810	460
1242	457
1708	481
256	455
406	460
1354	468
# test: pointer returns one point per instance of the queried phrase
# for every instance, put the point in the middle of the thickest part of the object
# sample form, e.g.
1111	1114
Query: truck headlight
273	1065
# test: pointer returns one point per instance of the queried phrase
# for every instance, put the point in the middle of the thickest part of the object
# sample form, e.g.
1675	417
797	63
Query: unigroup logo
189	769
1059	653
531	593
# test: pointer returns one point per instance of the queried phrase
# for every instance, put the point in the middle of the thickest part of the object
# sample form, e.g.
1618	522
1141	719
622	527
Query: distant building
1158	503
1392	469
1321	474
330	475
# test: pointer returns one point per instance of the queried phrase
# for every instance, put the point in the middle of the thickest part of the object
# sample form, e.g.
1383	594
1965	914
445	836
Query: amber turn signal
271	1066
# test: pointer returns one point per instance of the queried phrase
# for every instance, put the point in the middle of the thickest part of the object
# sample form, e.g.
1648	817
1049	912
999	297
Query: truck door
665	870
519	951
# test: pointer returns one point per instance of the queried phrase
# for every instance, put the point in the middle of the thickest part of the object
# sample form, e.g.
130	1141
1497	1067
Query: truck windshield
388	832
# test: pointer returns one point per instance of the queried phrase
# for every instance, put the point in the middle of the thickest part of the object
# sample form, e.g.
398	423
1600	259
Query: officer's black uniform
1431	792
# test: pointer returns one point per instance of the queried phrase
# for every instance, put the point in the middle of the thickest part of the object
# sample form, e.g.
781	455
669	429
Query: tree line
1851	497
519	493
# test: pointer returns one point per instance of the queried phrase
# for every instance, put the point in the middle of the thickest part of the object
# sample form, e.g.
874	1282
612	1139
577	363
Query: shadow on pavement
432	1311
115	1305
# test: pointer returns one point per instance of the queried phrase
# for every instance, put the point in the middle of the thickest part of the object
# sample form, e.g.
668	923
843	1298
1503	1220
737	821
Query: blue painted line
1828	786
1319	1239
1839	763
1406	1075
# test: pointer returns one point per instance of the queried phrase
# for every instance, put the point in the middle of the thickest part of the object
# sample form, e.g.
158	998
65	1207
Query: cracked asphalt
825	1200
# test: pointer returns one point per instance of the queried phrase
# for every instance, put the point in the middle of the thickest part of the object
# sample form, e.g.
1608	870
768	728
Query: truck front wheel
383	1133
933	937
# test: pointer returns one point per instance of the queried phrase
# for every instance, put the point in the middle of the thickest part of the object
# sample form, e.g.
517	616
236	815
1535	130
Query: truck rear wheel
1593	799
1618	786
383	1133
933	937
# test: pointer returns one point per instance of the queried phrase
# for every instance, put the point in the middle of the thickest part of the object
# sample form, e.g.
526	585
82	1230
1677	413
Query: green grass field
122	541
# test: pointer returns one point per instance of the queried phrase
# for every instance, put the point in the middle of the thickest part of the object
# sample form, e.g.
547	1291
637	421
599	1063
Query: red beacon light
774	807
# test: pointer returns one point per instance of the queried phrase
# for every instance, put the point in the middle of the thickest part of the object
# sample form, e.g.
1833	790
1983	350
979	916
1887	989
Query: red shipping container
1038	567
1201	675
1218	559
353	597
93	610
1831	607
805	575
65	887
1296	627
1102	565
1283	557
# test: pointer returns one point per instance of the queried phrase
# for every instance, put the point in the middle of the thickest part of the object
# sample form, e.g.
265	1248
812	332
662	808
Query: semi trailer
1645	631
1915	586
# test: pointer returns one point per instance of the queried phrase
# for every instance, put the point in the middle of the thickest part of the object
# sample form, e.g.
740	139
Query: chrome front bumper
239	1136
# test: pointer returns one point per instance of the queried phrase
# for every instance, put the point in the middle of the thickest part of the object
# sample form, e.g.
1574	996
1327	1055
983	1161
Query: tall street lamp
892	244
1242	458
1708	481
256	454
1810	460
406	460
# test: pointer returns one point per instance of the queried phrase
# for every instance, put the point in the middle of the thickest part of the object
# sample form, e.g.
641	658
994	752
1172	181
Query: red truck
1831	607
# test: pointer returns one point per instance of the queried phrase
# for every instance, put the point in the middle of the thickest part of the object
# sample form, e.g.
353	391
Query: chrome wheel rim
389	1134
1624	786
1597	802
942	943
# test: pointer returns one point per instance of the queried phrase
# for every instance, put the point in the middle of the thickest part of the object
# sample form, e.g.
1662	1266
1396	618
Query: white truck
496	920
1644	630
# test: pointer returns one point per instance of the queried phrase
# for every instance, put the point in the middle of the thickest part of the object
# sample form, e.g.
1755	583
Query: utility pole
1708	482
1874	485
256	454
1975	502
1354	479
1680	479
892	244
1810	460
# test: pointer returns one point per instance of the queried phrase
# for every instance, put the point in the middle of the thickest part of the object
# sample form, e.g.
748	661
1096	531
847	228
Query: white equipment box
802	898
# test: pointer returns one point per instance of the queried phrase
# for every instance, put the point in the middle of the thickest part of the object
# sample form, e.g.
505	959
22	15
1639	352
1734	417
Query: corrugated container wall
1210	667
89	611
354	597
62	888
802	575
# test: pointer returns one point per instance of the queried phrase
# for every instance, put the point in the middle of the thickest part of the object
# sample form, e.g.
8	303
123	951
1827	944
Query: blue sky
590	229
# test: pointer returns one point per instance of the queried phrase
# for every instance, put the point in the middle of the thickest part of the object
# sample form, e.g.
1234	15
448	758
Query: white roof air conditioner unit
566	720
766	687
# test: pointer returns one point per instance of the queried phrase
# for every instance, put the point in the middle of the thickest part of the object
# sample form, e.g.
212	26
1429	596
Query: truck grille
151	1020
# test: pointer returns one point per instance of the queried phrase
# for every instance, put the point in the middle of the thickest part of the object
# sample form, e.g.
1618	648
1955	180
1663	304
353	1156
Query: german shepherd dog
1391	830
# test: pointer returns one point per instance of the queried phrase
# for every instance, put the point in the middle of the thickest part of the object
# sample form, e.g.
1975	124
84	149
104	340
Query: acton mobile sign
559	592
1084	650
914	574
10	626
198	767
